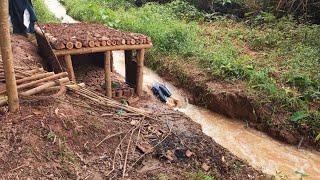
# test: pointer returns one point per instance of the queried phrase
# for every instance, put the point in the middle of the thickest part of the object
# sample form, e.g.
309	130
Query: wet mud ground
58	140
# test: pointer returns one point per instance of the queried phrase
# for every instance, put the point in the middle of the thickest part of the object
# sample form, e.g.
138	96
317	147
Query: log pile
83	35
36	81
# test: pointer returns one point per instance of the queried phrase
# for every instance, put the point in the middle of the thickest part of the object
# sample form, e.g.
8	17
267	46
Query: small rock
189	153
134	122
205	167
250	176
223	159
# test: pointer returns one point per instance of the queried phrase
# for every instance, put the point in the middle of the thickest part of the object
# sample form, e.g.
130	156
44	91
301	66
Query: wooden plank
70	71
107	67
140	65
101	49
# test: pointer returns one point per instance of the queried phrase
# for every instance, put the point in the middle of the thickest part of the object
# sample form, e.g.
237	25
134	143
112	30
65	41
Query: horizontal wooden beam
101	49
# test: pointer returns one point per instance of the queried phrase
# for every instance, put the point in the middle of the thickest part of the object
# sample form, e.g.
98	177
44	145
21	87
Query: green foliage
301	174
51	135
185	11
198	175
298	116
44	15
317	138
284	75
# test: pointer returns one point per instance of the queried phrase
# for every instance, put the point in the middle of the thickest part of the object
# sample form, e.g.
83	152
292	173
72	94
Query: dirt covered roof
81	35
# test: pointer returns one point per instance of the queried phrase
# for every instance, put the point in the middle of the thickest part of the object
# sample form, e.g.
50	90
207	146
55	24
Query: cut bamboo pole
91	43
44	86
70	85
107	64
58	46
7	57
34	77
69	45
100	49
140	64
70	71
78	45
103	43
56	76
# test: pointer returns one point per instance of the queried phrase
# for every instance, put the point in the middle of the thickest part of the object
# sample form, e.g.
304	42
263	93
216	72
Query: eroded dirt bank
228	99
55	139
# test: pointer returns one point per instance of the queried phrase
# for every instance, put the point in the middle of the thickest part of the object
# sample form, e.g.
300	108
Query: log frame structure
67	56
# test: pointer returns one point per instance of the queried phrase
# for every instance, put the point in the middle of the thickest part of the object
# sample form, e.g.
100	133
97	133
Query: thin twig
108	137
127	152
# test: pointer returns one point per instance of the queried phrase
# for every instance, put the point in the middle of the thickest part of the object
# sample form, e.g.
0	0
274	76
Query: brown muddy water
257	148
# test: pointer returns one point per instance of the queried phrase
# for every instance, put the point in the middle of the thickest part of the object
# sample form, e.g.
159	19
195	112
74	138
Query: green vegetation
185	175
278	59
42	12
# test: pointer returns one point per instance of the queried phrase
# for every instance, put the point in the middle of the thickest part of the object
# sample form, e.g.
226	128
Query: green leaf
317	138
302	174
51	134
298	116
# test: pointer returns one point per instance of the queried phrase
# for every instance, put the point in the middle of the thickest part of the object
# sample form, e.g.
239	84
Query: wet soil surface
58	140
99	34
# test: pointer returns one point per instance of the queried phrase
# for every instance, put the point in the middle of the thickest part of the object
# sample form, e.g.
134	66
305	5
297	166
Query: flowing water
260	151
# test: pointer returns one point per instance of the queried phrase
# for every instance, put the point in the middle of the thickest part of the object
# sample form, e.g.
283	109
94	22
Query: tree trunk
7	57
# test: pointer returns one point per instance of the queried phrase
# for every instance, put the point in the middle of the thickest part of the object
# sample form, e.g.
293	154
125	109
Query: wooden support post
107	67
112	63
7	57
70	71
140	65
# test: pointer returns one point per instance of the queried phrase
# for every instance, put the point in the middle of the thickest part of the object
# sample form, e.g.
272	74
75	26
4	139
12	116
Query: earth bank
60	139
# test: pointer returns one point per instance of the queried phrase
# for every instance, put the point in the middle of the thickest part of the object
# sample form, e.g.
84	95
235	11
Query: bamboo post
140	63
70	71
107	67
7	57
43	87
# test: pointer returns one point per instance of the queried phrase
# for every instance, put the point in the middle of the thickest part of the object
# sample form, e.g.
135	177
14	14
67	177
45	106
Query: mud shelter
63	44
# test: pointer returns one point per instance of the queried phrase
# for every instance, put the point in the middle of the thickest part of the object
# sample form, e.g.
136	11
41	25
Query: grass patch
44	15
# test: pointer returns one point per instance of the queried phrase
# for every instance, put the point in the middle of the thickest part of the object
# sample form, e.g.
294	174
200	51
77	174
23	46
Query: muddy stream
257	148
